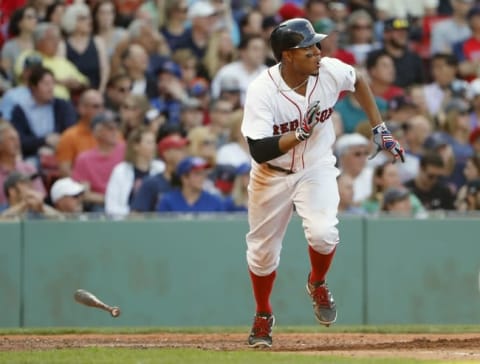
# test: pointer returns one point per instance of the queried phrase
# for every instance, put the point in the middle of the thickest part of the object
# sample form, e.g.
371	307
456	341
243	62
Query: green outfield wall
192	272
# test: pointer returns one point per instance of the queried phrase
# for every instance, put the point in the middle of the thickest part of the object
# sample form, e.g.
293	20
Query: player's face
307	60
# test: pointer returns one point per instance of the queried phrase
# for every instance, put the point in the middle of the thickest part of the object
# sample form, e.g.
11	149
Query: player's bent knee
323	247
323	241
262	264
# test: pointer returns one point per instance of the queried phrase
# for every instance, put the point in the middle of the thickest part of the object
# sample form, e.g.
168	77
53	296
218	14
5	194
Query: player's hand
312	118
384	140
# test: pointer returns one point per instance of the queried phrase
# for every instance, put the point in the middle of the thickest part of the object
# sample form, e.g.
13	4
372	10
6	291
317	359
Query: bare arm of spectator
104	63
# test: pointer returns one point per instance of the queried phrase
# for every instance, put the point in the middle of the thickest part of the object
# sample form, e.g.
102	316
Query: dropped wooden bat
89	299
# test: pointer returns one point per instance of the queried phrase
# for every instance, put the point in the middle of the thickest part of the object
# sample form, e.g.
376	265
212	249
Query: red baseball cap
171	141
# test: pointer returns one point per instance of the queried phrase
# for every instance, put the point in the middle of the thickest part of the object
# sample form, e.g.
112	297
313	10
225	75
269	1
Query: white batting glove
312	118
384	140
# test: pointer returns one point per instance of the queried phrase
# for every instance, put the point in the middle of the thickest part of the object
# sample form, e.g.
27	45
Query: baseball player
290	135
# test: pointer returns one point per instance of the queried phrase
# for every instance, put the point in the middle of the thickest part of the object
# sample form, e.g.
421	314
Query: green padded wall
423	271
10	277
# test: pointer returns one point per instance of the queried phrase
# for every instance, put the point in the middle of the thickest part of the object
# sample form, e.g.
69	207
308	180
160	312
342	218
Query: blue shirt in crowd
174	201
150	193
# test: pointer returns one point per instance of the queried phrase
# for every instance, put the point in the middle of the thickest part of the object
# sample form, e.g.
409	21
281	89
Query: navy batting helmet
293	33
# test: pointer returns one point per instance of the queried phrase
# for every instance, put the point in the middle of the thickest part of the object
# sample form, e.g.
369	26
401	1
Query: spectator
54	12
220	111
238	199
252	51
251	23
360	33
67	196
22	23
118	89
417	129
473	195
220	51
191	196
10	160
133	113
414	8
345	190
401	108
203	144
397	202
352	151
135	64
191	115
22	200
467	50
331	45
68	79
408	65
381	72
445	84
84	49
188	64
386	176
230	91
127	176
93	167
172	149
40	118
427	186
170	91
471	173
21	92
203	17
236	151
474	93
174	29
316	10
103	16
452	30
79	137
156	10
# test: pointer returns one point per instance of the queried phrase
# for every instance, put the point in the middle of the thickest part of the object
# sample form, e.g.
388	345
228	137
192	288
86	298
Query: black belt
279	169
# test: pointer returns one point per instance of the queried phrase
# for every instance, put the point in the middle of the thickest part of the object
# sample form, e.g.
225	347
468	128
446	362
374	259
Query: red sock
262	288
320	264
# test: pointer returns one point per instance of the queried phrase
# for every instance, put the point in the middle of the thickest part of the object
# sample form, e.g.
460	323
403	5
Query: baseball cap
395	24
173	141
435	141
14	177
324	25
399	102
65	187
474	135
457	105
290	10
32	60
201	9
198	87
105	117
224	177
169	67
229	84
346	141
392	195
191	164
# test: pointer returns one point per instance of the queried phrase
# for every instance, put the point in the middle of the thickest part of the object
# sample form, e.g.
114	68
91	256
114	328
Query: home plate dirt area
419	346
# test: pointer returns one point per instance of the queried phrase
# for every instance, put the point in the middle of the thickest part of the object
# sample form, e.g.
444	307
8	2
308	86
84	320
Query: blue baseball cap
170	67
191	164
243	168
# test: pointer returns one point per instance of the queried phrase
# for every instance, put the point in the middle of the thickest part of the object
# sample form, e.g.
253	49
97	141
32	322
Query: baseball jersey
272	108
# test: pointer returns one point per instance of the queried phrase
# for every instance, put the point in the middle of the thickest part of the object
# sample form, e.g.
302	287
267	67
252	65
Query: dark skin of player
300	63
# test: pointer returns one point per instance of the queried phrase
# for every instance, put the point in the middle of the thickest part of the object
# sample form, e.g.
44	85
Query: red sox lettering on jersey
293	125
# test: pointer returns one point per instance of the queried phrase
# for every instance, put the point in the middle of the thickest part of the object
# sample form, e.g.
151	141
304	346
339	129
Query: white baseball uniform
272	108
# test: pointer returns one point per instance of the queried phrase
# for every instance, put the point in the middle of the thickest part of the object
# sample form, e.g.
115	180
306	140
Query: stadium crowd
125	107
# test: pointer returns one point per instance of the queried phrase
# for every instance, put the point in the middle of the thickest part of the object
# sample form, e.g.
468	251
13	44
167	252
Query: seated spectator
135	65
361	37
191	197
174	28
10	160
230	91
127	176
352	151
220	112
330	46
223	177
220	51
191	115
68	79
21	92
41	118
466	50
235	152
396	202
171	149
67	195
23	201
381	72
93	167
133	112
473	195
84	49
427	187
386	176
79	137
471	172
345	190
118	88
474	95
238	199
401	109
416	129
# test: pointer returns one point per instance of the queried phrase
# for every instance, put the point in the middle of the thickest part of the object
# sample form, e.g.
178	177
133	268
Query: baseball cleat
261	333
323	303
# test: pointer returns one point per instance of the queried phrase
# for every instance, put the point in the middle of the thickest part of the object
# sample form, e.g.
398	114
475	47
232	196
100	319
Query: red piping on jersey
306	141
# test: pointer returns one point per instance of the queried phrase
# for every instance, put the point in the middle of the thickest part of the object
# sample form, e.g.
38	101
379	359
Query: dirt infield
419	346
